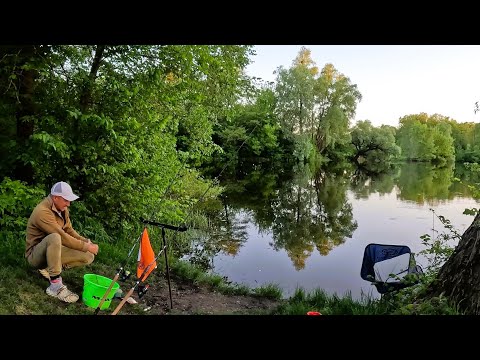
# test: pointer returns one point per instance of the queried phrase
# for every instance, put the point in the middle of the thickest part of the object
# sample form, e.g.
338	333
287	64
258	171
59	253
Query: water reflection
303	213
296	217
364	183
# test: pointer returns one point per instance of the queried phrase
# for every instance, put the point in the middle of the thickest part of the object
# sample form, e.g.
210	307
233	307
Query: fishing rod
171	227
138	284
120	272
132	289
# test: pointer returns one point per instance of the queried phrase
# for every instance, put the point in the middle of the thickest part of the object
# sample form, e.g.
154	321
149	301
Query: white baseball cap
64	190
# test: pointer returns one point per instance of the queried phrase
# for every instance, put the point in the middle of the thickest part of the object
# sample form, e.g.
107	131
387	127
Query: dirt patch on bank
189	299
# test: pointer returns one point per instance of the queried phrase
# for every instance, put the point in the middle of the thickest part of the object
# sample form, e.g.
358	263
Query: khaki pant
51	254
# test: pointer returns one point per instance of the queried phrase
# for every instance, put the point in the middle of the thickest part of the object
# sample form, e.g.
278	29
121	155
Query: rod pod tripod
139	282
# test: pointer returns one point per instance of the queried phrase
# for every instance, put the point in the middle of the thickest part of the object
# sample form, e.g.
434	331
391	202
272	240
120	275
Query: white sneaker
63	294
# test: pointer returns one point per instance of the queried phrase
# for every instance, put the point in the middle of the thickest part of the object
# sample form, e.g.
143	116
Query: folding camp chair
386	266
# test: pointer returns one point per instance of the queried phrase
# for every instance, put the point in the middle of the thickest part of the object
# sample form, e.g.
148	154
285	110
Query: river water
311	232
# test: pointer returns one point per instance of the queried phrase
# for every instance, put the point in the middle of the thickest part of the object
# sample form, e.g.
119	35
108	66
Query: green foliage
374	145
426	138
252	138
17	200
466	138
305	150
119	122
319	105
16	203
438	305
412	300
438	249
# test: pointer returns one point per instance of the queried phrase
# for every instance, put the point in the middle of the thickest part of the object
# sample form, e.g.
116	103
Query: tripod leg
166	267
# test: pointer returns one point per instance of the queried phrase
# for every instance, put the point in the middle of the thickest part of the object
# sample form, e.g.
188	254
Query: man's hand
93	248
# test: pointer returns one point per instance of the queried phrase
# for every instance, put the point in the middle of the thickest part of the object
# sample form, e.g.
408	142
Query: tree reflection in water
304	213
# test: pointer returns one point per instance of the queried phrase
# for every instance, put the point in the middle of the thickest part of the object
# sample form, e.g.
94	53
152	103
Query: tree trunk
86	102
26	109
459	277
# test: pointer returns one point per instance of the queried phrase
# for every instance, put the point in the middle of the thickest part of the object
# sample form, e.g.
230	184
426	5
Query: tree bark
26	109
459	278
86	103
86	95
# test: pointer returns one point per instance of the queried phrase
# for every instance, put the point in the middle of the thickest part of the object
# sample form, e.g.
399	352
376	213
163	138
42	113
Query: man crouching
52	245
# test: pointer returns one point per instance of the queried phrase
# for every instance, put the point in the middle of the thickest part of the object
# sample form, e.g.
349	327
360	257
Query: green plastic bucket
94	288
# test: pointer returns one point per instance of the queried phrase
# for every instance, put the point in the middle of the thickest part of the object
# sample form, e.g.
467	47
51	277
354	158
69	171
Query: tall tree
459	277
374	144
426	138
315	108
294	91
335	105
20	67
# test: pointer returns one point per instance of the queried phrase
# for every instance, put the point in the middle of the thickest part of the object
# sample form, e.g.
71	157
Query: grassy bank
22	292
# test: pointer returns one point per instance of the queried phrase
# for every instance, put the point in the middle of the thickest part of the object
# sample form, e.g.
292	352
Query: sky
394	80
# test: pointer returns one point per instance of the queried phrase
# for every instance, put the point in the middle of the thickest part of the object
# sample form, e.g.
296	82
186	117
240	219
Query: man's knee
75	258
53	239
86	259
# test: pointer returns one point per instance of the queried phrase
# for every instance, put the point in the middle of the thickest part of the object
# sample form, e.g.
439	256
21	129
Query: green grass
301	302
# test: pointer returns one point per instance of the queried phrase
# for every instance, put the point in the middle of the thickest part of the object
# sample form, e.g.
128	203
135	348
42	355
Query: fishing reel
124	275
141	290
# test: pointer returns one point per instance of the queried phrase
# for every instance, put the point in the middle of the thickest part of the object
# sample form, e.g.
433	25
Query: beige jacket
44	220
